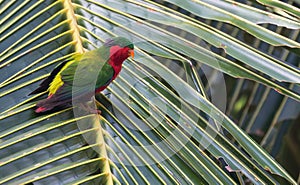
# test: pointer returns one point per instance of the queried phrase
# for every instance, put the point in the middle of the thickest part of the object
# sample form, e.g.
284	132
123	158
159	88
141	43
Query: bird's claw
90	110
95	111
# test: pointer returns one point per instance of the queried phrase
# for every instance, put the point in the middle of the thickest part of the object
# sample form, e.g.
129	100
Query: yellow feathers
57	81
55	84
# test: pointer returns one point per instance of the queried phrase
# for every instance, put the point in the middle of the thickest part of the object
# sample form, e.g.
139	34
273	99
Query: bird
84	74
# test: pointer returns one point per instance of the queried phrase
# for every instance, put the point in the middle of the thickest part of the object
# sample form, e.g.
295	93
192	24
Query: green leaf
161	121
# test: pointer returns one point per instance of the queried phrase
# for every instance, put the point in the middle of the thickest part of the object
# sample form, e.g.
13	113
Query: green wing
85	75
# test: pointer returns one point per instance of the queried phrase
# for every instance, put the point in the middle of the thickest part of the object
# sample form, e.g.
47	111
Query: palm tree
210	98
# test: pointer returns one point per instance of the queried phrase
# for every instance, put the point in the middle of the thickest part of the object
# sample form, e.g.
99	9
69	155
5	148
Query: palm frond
160	122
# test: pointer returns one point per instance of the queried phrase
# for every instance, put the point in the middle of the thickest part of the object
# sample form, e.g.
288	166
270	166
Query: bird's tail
61	99
45	105
50	103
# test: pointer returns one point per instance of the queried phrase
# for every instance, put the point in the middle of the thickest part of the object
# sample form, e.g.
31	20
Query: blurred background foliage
243	56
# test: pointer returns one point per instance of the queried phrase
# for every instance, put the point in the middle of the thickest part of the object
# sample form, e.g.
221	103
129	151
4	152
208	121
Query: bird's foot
95	111
89	109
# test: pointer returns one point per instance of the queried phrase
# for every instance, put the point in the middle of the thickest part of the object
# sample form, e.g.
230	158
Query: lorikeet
84	74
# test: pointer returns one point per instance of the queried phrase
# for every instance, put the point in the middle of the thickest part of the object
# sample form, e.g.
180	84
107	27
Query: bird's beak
131	53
